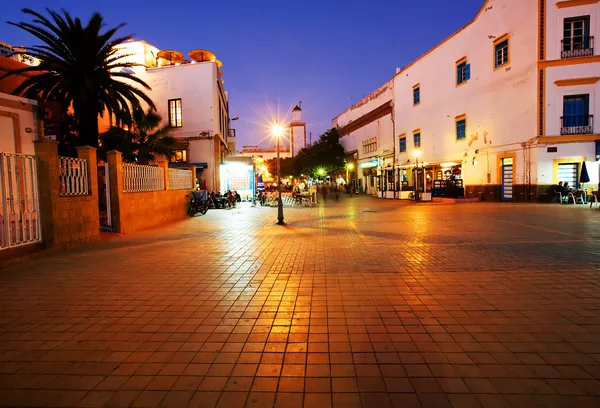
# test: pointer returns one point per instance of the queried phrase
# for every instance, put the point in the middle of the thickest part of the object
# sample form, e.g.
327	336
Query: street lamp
416	181
349	167
278	132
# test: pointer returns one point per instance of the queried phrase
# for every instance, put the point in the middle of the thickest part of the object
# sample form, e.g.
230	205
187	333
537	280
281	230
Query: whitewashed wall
499	104
554	25
27	120
555	94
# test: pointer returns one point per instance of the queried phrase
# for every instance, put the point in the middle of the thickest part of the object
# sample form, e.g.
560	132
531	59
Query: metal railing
577	125
73	176
138	178
577	47
180	179
20	209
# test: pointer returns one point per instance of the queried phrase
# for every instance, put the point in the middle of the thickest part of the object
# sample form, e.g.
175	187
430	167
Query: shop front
369	182
237	176
438	179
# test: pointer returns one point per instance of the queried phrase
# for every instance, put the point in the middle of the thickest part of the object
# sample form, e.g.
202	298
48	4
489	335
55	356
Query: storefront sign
369	164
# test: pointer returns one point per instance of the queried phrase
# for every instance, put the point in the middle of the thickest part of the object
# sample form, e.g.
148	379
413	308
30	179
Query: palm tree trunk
88	124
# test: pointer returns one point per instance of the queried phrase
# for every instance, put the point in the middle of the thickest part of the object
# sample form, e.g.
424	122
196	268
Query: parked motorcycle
198	203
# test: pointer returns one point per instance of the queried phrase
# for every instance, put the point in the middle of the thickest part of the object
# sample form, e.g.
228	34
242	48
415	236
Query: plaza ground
361	303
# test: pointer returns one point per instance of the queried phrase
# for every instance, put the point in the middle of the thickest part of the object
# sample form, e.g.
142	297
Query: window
175	113
180	156
568	172
576	118
461	128
417	140
403	144
369	145
501	52
416	95
576	38
463	71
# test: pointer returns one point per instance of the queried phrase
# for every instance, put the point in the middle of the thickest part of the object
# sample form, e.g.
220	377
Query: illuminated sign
368	165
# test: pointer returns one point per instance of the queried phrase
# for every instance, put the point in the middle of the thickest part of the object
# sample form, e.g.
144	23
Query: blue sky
326	53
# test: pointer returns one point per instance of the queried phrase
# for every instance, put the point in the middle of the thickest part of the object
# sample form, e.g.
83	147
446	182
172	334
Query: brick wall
136	211
66	221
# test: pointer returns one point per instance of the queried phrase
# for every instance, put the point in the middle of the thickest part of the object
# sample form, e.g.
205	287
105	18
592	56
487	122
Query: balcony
577	47
577	125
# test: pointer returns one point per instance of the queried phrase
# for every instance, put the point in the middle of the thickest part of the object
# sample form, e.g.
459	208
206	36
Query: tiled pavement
363	303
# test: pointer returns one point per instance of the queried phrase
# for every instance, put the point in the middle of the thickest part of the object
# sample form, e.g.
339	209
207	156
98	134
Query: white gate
19	212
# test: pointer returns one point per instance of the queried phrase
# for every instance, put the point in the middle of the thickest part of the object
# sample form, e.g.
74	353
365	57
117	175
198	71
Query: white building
18	124
485	105
190	97
367	130
297	131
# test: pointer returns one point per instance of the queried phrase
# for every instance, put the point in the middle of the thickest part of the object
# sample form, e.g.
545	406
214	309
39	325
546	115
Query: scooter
198	203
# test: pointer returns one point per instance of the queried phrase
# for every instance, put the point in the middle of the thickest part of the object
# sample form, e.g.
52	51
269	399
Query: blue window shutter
468	71
597	150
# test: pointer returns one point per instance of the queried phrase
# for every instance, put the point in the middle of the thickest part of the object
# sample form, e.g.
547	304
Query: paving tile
362	302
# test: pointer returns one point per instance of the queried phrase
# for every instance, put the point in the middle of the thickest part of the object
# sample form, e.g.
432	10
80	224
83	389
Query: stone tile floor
362	303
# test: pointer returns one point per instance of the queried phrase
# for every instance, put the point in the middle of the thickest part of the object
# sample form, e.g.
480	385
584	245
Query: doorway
507	179
104	198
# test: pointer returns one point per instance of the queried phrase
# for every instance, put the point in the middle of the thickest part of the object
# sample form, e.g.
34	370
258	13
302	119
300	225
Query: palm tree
140	143
80	67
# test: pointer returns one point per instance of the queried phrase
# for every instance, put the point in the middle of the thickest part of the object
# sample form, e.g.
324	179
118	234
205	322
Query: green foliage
327	154
80	68
143	141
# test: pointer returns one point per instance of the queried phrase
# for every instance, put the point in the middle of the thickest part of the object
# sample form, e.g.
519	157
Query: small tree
142	142
80	67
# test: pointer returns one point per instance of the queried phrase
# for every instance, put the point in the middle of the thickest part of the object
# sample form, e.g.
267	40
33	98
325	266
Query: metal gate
507	179
20	209
104	198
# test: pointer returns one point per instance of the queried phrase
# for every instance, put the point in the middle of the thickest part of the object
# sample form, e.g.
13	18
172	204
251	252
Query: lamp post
417	154
349	167
277	132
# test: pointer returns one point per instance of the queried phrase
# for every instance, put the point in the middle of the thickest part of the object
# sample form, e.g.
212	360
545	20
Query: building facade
297	131
506	104
190	97
367	130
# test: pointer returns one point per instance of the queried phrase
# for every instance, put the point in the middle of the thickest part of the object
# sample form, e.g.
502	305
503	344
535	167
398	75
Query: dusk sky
327	54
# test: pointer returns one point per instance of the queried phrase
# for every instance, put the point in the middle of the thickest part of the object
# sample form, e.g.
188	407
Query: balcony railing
577	47
577	125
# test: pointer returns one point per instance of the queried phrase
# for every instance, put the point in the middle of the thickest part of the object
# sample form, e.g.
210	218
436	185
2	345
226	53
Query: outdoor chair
560	198
577	196
595	198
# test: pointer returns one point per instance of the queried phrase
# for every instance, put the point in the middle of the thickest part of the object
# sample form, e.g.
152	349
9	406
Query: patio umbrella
584	177
259	183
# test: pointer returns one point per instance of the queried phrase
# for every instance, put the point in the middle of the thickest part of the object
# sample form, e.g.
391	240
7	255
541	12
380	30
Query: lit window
417	140
402	144
501	53
463	72
175	119
180	156
461	129
416	95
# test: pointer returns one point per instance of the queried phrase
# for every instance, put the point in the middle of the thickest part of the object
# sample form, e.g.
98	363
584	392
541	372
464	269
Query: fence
137	178
19	212
73	176
180	179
